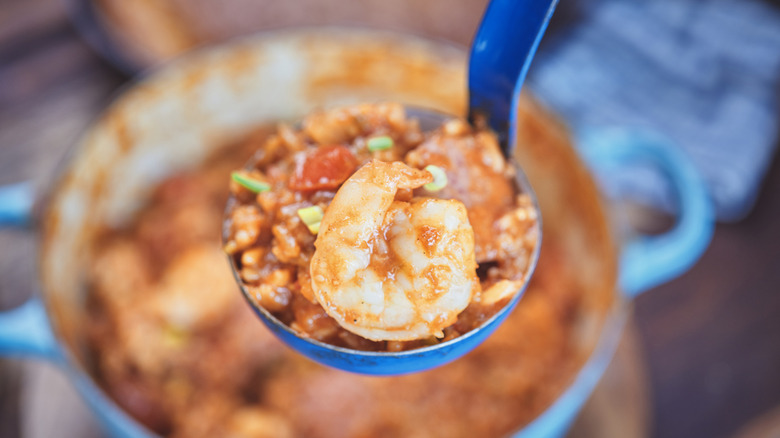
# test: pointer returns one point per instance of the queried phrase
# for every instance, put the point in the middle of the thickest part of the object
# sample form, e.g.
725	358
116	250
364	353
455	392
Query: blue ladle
502	50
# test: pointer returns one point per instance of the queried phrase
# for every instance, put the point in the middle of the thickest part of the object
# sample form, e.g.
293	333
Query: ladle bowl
501	53
388	362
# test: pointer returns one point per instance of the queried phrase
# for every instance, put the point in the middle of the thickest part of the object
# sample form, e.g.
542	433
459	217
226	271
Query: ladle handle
25	330
649	261
501	53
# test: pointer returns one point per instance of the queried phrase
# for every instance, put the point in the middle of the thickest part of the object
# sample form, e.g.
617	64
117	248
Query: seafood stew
168	369
363	231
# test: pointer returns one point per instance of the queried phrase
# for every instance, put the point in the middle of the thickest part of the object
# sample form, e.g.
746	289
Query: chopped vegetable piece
439	178
310	215
380	143
324	168
250	183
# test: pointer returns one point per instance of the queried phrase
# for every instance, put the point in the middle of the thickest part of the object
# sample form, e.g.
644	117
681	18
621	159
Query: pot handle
649	261
25	330
16	202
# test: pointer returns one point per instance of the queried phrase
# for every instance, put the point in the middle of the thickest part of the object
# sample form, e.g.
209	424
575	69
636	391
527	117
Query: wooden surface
619	406
766	426
711	338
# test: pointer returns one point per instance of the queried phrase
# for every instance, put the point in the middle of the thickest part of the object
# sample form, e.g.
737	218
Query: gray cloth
702	73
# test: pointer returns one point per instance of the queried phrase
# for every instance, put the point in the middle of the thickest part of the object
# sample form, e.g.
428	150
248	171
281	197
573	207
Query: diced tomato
323	169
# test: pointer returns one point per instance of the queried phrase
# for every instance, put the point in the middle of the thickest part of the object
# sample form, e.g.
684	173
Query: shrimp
393	270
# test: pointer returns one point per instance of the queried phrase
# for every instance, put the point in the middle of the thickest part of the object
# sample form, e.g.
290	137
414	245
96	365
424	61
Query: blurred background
703	352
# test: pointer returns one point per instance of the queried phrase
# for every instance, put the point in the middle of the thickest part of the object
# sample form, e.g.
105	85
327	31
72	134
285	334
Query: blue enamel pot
173	119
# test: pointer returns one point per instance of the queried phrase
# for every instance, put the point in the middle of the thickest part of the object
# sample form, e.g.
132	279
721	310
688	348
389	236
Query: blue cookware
645	262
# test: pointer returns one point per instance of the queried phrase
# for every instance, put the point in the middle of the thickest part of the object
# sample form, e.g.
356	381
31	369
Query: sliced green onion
311	216
249	183
380	143
439	178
